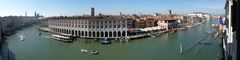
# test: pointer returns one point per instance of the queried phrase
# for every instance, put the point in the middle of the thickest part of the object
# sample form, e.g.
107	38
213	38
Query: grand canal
166	47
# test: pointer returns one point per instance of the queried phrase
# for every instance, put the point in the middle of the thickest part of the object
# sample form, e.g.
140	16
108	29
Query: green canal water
166	47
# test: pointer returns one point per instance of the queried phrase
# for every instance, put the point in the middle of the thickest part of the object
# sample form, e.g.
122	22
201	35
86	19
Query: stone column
92	34
113	34
104	35
95	33
108	34
116	33
125	33
121	33
84	33
100	34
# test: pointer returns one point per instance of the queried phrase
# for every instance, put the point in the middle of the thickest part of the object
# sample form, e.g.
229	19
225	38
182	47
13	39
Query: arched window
90	34
110	34
102	34
86	33
98	34
119	33
82	33
119	26
123	33
106	34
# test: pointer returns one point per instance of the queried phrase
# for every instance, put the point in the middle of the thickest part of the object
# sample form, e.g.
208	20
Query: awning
133	30
150	28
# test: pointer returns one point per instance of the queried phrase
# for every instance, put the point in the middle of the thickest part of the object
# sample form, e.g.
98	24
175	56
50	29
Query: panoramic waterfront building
89	26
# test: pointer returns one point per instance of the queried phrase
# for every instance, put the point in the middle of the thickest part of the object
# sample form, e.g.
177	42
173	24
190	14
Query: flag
220	20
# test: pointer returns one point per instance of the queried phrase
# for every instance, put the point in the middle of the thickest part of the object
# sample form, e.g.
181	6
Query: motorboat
183	28
94	52
105	41
22	37
83	50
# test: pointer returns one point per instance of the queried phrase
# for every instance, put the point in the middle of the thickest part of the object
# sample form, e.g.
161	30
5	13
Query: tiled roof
86	17
167	18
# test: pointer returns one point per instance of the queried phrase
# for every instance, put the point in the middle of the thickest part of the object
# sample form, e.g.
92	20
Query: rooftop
168	18
86	17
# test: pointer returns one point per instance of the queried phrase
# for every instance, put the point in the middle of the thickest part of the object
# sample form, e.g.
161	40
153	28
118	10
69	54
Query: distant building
92	11
10	23
204	16
89	27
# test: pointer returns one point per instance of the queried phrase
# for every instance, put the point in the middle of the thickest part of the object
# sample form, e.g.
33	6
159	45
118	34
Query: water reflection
6	53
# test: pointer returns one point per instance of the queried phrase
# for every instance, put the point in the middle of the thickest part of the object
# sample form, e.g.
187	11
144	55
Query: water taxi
22	37
62	38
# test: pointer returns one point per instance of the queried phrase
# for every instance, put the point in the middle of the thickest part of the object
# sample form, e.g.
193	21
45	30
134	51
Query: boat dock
158	33
138	36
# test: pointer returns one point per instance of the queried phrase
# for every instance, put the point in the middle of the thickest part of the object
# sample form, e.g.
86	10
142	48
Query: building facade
204	16
231	31
167	24
89	27
11	23
0	30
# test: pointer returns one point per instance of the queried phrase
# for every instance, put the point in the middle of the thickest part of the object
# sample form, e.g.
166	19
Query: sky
108	7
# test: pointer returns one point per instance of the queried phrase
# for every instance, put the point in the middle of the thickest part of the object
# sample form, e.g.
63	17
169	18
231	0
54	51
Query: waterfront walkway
138	36
157	33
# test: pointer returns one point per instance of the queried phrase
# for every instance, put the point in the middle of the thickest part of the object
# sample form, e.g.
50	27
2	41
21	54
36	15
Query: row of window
92	26
88	22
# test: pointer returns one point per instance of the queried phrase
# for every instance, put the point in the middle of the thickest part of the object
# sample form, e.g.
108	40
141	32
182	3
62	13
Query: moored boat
62	38
83	50
189	26
105	41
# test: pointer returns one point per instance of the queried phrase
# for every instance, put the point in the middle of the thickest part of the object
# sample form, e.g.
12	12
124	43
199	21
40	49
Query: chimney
92	11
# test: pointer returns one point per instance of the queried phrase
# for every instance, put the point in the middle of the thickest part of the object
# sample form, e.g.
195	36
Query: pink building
167	23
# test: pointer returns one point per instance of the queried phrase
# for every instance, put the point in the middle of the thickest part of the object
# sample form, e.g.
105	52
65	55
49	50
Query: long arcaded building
89	26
